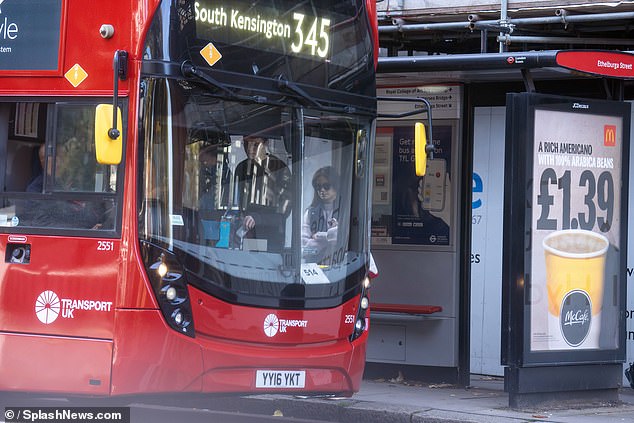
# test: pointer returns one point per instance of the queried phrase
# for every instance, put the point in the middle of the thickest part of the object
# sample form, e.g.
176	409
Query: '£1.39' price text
598	201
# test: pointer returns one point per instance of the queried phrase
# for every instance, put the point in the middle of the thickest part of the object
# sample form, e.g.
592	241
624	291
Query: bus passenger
37	182
212	195
263	194
319	226
213	189
26	210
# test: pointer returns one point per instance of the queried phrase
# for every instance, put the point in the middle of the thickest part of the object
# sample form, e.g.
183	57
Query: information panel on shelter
410	209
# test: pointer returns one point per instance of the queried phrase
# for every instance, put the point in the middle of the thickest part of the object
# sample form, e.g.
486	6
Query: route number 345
317	43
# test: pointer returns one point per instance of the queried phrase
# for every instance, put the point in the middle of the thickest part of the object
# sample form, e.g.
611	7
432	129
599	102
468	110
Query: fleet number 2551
105	245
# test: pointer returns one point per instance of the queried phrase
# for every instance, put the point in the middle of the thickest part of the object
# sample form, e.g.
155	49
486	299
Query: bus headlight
170	293
178	317
366	283
162	269
364	305
169	284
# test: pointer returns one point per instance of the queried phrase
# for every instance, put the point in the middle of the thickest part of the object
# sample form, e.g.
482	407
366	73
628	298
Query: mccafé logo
609	135
576	317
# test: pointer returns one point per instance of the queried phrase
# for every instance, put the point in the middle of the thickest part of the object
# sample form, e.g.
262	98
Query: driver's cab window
50	177
75	167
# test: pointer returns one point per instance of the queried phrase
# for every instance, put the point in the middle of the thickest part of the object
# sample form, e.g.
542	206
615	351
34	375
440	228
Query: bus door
59	235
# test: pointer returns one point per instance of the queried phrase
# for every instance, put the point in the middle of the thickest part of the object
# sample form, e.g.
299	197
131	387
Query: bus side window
22	132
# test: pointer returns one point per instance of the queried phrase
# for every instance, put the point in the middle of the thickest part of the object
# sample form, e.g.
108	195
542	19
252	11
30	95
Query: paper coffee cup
575	266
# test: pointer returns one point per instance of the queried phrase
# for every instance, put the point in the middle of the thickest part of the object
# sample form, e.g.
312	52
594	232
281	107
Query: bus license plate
280	378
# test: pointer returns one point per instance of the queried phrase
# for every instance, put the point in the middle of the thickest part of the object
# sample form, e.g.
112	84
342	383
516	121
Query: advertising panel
575	237
408	209
629	311
421	210
569	173
30	35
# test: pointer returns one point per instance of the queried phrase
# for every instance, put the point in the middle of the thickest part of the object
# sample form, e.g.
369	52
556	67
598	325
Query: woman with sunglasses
319	227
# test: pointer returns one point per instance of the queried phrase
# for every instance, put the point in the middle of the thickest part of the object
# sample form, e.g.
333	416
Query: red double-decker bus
184	195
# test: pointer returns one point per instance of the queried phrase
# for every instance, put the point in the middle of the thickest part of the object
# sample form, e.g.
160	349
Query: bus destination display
294	32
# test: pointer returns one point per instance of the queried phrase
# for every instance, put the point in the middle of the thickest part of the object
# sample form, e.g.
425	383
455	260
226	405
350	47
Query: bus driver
263	193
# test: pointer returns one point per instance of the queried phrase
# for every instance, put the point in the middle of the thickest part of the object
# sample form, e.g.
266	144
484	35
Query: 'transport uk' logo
47	307
271	325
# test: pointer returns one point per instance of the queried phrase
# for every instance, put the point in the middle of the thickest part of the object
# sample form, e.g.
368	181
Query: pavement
378	401
397	400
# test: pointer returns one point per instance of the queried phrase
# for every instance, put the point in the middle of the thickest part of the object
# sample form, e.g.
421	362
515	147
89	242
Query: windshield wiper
285	85
190	71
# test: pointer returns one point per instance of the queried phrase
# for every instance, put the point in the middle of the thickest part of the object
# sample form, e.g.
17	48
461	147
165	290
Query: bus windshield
256	200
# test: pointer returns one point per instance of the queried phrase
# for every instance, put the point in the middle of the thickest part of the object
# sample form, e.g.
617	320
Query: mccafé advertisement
575	192
575	237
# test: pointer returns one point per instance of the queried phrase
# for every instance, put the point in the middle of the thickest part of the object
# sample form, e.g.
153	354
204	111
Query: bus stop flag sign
604	63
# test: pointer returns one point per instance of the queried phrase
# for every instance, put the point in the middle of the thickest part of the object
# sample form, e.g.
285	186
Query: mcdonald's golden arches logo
609	135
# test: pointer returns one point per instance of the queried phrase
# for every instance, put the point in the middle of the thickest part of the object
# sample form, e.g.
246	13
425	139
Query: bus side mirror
420	153
107	150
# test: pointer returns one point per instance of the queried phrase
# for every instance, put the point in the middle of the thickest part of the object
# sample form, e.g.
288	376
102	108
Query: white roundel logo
271	325
47	307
